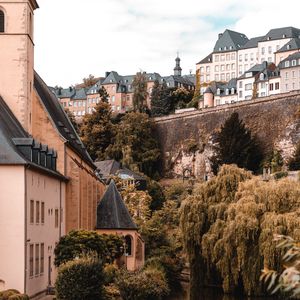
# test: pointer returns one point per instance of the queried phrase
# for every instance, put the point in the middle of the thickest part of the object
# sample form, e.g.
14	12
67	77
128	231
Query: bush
149	284
4	295
77	243
19	297
80	279
279	175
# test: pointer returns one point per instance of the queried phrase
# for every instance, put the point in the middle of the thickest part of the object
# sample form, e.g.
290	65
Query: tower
177	69
17	57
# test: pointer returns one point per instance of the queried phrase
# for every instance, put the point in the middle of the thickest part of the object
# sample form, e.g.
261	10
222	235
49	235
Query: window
271	86
240	94
2	21
222	77
246	67
128	243
227	76
207	78
232	75
227	92
42	258
269	59
246	57
222	57
248	86
201	71
31	260
112	99
293	62
216	68
208	69
218	91
261	76
263	50
201	79
240	84
37	212
276	85
56	218
287	64
287	87
217	77
286	75
227	56
251	56
37	259
263	85
232	91
232	56
227	67
43	212
270	49
240	69
222	67
293	85
263	94
217	58
31	217
240	57
232	66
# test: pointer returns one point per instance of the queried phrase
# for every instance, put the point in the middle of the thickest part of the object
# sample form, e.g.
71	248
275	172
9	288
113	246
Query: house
48	180
291	47
113	218
108	168
290	73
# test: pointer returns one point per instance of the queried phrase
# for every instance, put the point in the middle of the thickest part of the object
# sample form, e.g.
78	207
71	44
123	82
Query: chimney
220	35
70	89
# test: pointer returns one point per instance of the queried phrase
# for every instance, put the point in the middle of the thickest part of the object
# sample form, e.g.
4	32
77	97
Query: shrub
279	175
77	243
19	297
149	284
4	295
80	279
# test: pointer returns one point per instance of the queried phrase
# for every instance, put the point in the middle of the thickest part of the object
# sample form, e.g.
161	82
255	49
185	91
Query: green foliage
148	284
89	81
197	93
97	130
71	117
18	297
155	191
135	145
287	282
235	145
12	294
177	191
180	98
228	224
160	99
294	163
274	161
78	243
80	279
140	93
279	175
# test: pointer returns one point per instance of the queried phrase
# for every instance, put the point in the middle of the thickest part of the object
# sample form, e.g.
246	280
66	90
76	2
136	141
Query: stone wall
274	120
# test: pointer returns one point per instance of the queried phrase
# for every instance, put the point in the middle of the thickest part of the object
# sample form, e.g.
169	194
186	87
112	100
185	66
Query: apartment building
290	73
222	63
289	48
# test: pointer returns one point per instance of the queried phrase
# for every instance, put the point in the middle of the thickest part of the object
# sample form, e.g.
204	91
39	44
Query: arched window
2	19
128	242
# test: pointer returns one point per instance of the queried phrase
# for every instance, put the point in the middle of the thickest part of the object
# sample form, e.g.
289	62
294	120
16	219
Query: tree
228	225
78	243
97	130
180	98
197	93
294	163
89	81
82	278
71	117
135	145
160	99
235	145
140	93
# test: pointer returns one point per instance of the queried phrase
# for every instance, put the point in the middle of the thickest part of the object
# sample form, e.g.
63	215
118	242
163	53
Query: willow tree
228	226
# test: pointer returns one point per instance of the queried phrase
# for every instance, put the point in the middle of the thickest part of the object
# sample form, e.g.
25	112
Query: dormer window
227	92
261	76
220	49
218	91
225	48
284	36
268	38
288	47
287	64
2	20
232	91
294	62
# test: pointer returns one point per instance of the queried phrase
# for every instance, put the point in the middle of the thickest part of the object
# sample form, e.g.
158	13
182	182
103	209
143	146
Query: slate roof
295	56
232	84
80	94
180	79
113	77
112	212
60	119
12	134
293	44
94	89
252	43
206	60
280	33
230	40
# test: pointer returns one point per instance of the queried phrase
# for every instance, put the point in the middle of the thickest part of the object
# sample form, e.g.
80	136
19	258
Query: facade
290	73
47	178
113	218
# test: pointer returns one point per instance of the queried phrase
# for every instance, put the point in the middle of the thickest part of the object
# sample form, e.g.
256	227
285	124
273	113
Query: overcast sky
75	38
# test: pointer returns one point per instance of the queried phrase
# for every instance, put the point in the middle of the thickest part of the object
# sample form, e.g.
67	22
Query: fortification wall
274	120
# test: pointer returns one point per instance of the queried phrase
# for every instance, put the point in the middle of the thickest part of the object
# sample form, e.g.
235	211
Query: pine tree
160	99
294	163
140	93
235	145
97	130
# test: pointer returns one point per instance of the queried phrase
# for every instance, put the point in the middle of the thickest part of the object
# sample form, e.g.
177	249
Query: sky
75	38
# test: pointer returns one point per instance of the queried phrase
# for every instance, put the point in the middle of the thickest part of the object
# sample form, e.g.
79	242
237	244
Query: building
222	63
48	180
291	47
108	168
290	73
113	218
120	91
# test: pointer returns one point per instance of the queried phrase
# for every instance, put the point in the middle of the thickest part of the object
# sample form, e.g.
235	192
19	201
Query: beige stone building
47	179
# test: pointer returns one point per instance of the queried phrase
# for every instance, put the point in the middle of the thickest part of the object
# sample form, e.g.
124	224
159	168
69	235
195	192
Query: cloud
76	38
